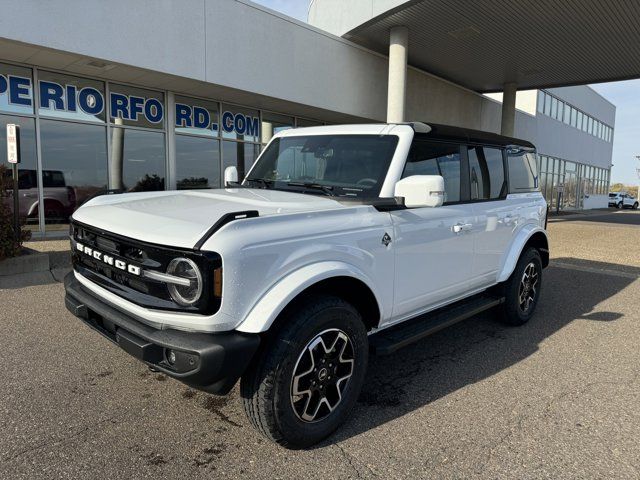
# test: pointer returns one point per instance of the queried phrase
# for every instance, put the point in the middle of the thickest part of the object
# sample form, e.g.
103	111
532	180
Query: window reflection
273	123
137	160
197	162
239	155
27	178
74	162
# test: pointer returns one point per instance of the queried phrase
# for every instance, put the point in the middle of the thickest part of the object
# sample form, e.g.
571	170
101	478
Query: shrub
9	245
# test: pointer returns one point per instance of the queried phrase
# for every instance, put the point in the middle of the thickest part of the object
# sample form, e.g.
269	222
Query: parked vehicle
341	240
59	199
622	200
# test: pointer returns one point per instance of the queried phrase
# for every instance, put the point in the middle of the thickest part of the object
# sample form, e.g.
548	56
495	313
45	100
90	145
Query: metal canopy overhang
484	44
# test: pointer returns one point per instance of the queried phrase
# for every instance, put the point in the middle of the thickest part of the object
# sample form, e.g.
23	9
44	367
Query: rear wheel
522	289
305	381
635	206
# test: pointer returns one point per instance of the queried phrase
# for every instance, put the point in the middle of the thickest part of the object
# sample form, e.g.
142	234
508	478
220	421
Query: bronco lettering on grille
109	260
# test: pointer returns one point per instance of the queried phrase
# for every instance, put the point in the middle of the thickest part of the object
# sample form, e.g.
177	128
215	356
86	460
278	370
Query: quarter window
523	173
486	173
432	158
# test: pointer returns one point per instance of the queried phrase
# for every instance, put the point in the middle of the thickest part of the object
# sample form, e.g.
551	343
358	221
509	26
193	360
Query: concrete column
117	156
398	52
509	109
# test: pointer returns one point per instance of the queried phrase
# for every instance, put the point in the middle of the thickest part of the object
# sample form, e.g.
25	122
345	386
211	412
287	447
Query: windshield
334	165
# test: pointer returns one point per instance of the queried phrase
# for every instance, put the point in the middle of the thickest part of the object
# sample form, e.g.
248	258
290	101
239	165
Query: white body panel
433	263
412	260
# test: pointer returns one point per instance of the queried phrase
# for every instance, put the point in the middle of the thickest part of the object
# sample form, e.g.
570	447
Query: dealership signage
91	101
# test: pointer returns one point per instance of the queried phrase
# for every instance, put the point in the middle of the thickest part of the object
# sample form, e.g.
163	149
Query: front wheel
308	377
522	289
619	205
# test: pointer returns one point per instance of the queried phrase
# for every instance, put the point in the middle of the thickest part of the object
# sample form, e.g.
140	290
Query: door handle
461	227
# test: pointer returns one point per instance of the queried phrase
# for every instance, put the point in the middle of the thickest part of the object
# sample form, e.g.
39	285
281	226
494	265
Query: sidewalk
45	261
568	214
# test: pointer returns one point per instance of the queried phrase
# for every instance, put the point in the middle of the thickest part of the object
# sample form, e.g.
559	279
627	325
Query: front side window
522	167
433	158
486	173
336	165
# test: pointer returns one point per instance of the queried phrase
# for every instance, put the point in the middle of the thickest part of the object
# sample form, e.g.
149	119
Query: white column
509	109
117	156
398	52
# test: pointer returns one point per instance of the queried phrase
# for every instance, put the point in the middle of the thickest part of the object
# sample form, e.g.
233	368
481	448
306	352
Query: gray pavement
557	398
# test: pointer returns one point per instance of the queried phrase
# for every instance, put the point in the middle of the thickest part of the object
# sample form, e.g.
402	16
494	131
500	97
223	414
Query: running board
393	338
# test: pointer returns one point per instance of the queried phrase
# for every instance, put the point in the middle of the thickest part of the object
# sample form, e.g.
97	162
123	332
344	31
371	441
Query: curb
32	262
34	268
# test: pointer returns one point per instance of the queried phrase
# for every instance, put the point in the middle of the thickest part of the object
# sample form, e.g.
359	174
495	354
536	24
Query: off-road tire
512	309
267	386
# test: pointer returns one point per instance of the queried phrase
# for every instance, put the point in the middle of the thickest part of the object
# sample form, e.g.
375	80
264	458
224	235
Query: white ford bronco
339	241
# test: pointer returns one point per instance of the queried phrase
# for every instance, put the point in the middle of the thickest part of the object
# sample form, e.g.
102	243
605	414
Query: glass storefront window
197	162
273	123
197	117
72	98
540	101
27	169
16	89
240	123
554	107
74	164
547	104
137	161
136	107
240	155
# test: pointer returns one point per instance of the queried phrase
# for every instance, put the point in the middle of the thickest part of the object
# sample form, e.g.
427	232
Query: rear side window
523	171
433	158
486	173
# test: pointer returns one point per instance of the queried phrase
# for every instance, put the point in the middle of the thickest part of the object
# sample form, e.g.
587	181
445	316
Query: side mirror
421	191
230	175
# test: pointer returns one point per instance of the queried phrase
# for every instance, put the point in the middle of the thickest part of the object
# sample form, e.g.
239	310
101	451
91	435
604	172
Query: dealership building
161	94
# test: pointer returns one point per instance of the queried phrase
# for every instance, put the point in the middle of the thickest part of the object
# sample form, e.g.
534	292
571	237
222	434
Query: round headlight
182	294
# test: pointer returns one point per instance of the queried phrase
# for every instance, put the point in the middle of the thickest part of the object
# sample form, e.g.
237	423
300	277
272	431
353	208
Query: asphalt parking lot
557	398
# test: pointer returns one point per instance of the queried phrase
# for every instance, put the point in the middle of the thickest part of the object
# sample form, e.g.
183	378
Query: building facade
181	90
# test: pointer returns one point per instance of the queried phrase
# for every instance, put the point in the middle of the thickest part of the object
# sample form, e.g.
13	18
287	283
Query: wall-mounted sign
188	116
70	98
17	89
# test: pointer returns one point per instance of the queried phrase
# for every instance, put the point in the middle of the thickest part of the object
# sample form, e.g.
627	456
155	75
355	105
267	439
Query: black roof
457	134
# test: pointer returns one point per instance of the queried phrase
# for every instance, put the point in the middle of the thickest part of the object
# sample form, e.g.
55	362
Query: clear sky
625	95
294	8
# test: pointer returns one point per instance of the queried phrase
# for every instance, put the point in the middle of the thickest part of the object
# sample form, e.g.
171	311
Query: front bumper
209	362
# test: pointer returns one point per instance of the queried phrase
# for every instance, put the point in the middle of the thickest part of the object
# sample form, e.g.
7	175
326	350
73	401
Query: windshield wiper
265	183
326	189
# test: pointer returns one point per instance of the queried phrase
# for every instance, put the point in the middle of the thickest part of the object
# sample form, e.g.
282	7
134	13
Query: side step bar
393	338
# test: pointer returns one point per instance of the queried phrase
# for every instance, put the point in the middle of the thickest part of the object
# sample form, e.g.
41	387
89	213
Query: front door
433	246
433	259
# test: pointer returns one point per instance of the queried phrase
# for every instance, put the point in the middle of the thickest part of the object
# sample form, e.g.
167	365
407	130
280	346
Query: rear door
495	218
433	246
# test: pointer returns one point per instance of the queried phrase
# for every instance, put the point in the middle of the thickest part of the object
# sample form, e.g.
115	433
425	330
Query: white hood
181	218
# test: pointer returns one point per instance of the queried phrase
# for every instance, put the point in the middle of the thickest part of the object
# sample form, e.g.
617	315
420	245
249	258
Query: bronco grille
118	263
